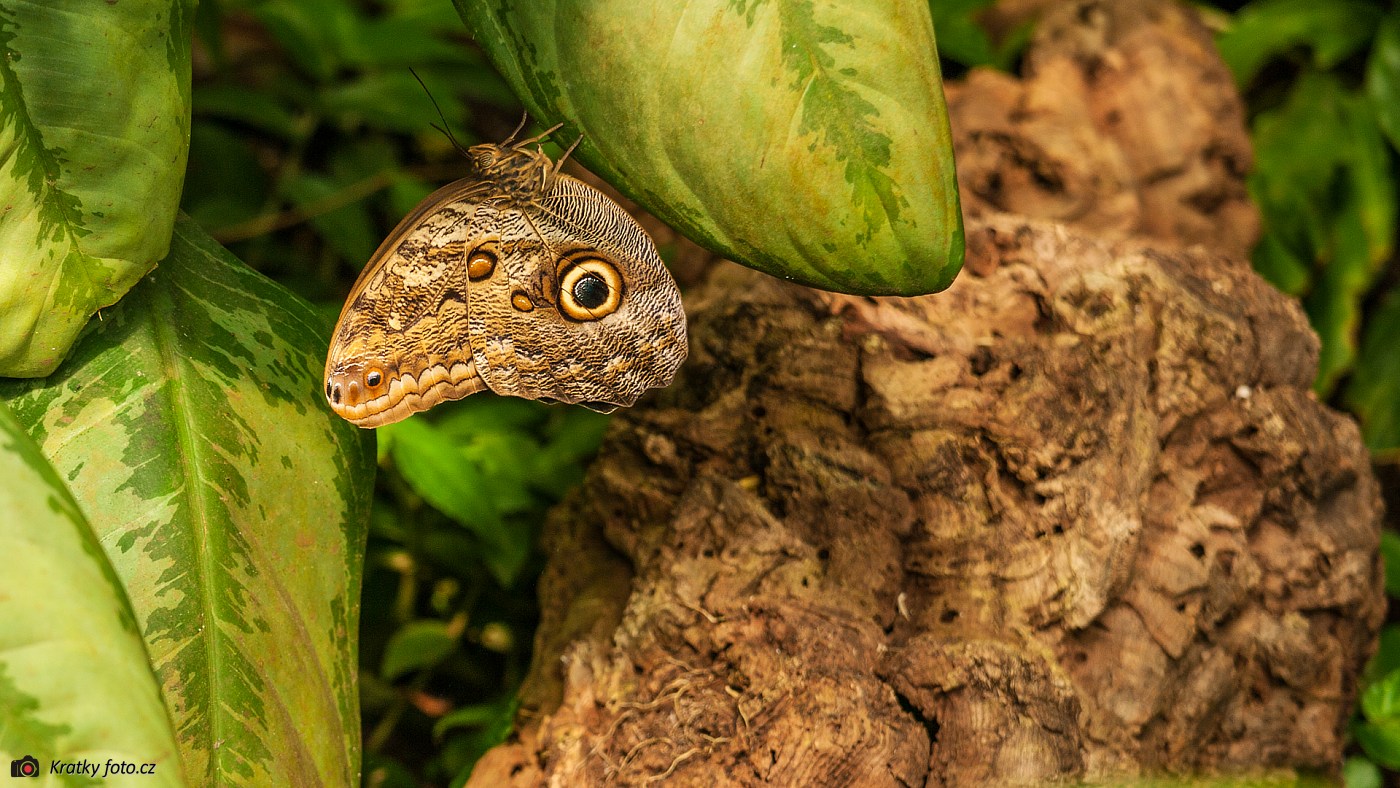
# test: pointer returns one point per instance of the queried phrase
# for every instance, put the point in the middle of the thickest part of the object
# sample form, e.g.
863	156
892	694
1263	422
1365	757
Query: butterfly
517	279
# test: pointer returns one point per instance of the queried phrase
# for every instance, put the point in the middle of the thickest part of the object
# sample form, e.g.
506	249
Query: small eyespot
590	288
373	378
481	263
521	301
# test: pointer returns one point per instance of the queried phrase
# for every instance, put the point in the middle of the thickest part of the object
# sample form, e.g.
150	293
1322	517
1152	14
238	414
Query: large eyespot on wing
590	287
398	346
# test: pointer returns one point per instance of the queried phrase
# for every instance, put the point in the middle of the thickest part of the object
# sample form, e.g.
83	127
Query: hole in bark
982	361
707	553
992	186
1226	561
949	616
1057	530
759	411
1198	550
1181	607
1113	117
823	554
1015	372
1081	657
1044	320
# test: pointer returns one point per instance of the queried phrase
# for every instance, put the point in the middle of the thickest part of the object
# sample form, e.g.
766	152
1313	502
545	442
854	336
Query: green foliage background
310	139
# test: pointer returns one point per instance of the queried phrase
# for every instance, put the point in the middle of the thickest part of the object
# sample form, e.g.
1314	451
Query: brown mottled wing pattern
406	317
525	344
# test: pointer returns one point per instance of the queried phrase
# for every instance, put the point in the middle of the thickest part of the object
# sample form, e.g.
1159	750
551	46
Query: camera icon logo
28	766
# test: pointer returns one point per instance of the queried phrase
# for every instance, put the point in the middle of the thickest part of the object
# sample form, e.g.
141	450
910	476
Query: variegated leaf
75	681
806	138
232	503
94	131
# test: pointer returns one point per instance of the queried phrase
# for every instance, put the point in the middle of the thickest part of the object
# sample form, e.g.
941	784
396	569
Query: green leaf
224	183
68	632
391	100
255	108
1358	772
1390	552
310	32
399	42
346	229
1383	77
812	144
191	427
1381	700
1371	178
1277	263
384	772
94	130
960	38
1374	391
415	646
434	467
1322	182
494	721
1386	660
1334	305
1262	30
1380	740
481	714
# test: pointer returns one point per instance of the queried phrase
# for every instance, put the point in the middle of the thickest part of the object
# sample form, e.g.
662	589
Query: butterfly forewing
397	346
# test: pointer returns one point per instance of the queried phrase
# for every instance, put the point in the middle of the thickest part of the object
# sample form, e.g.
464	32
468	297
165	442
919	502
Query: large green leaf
94	131
805	138
232	503
75	681
1333	30
1374	391
1383	77
1329	208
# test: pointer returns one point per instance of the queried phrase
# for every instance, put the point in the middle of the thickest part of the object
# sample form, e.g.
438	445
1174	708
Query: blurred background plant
311	138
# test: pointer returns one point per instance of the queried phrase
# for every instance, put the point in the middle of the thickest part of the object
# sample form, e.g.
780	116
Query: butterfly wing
580	307
399	346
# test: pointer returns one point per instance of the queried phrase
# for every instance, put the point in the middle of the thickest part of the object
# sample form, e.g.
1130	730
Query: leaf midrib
182	421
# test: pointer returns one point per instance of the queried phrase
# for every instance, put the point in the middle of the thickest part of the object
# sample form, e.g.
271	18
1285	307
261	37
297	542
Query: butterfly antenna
538	137
524	118
559	165
445	128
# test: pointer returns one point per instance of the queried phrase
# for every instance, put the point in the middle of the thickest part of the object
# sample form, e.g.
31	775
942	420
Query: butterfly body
520	280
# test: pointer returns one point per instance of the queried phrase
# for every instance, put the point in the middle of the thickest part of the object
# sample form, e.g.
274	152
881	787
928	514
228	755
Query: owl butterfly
518	279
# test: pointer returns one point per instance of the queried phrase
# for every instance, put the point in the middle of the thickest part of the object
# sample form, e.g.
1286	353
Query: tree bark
1077	518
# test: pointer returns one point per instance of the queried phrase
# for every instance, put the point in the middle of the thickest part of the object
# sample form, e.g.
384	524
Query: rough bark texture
1076	518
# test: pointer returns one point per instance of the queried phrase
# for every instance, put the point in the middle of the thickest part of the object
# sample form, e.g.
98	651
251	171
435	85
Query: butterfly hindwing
531	335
